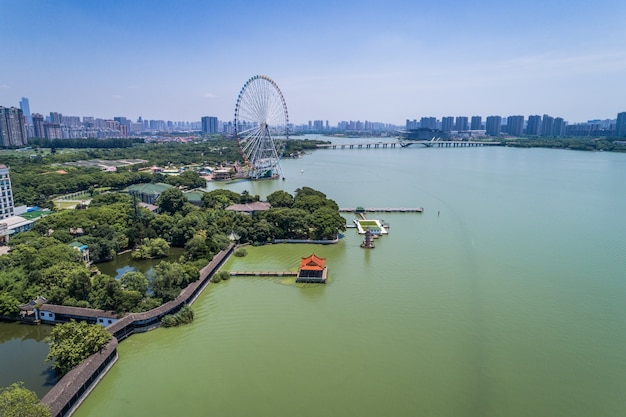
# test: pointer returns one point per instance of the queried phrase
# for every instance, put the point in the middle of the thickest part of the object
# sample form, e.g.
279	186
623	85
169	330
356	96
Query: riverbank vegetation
184	316
577	144
220	276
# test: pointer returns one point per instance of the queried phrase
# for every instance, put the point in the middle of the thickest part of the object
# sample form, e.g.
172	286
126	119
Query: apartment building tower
6	194
493	125
12	127
209	124
476	123
620	125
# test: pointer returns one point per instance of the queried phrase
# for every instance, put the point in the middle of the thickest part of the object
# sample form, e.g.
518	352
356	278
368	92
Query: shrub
240	252
184	316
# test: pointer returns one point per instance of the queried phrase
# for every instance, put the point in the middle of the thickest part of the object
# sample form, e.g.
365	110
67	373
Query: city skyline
347	61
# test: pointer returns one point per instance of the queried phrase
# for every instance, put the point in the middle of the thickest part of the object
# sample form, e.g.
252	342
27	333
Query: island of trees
41	262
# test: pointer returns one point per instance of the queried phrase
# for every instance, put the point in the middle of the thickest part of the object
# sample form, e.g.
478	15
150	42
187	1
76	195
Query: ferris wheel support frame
261	126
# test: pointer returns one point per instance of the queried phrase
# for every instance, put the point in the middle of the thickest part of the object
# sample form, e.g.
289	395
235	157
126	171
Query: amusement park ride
261	128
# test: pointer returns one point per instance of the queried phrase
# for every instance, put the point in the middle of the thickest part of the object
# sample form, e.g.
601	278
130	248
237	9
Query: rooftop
312	263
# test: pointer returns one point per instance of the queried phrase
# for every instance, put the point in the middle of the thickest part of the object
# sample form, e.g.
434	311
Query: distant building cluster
518	125
322	126
17	125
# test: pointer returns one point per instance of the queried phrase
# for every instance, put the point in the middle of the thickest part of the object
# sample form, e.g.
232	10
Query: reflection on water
22	356
125	263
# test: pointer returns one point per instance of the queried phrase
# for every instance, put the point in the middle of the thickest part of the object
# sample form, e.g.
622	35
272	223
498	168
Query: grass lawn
368	223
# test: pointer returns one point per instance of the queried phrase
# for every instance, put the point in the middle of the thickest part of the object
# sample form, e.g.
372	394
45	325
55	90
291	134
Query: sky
384	61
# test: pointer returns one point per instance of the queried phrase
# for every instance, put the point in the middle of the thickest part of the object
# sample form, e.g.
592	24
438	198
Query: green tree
188	179
106	292
197	248
326	223
134	281
170	278
152	248
8	304
73	342
280	198
172	201
220	199
18	401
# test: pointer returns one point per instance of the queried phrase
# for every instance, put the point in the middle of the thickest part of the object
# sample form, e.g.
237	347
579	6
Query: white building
6	194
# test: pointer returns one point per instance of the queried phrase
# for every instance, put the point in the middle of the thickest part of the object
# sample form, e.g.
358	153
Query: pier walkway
263	274
383	210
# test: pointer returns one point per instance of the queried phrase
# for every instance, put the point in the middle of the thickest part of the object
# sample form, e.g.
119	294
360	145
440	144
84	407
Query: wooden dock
383	210
263	274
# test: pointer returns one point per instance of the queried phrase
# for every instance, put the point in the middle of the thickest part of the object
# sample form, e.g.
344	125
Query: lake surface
23	353
125	262
504	298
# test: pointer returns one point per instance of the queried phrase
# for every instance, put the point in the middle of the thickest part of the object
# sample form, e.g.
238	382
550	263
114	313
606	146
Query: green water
504	298
22	357
126	263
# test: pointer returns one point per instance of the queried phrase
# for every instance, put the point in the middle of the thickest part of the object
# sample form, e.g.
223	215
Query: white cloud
209	95
4	87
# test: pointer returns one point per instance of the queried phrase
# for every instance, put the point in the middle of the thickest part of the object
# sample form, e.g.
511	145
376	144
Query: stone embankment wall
69	392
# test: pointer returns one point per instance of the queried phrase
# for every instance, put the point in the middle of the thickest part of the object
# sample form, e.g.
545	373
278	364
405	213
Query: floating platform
375	227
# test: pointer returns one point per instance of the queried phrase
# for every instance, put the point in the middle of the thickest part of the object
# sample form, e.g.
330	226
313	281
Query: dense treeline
41	262
37	175
578	144
84	143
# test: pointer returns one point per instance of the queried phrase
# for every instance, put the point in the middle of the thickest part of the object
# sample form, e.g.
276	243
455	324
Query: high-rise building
6	193
461	124
209	124
26	110
476	123
559	127
428	122
12	127
515	125
411	124
447	123
547	125
493	125
38	125
52	131
620	125
56	118
533	128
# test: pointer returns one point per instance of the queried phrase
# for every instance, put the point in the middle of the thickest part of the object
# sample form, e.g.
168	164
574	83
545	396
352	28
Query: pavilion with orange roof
312	269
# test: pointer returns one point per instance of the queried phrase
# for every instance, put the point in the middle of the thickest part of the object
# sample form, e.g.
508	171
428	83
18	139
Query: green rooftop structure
195	197
148	193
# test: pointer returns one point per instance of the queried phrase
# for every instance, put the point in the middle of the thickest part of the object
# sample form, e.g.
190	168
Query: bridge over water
406	143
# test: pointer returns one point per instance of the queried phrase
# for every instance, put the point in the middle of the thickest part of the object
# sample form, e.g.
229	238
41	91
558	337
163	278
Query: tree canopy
73	342
18	401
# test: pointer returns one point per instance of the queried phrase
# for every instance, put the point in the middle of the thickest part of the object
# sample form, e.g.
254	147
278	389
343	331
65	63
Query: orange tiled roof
312	263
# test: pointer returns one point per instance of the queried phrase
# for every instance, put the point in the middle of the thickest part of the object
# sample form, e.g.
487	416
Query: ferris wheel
261	126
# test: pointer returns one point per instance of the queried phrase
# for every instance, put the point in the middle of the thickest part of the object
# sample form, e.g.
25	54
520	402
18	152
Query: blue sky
333	60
